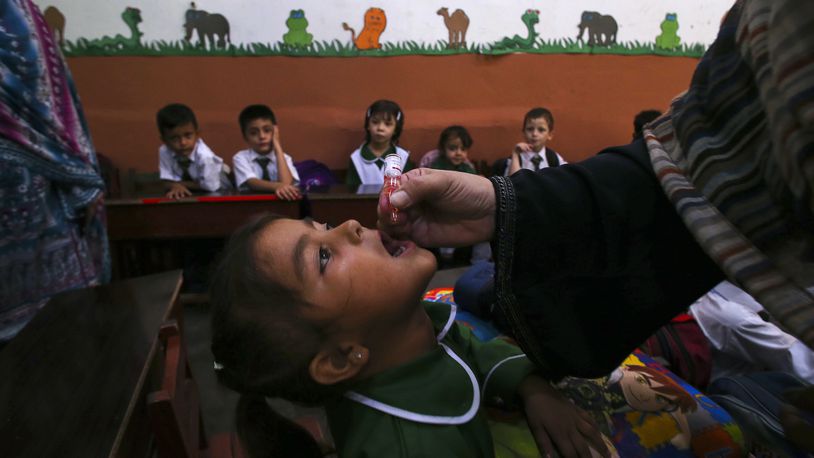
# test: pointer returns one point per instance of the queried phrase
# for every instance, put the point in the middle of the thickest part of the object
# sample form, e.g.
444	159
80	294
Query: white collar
424	418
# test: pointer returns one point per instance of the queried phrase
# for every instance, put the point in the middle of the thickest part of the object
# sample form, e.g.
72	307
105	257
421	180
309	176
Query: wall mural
388	28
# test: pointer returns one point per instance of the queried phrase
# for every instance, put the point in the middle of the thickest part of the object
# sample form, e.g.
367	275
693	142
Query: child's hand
275	139
521	147
178	191
557	424
288	192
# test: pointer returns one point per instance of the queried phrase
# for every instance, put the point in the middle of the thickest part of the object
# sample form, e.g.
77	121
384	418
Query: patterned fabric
48	174
642	409
735	154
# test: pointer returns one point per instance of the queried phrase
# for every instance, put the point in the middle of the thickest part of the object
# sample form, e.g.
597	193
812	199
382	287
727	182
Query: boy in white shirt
185	163
264	166
538	129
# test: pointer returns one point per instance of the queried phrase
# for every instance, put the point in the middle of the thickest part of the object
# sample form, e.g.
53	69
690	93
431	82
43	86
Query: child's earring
357	356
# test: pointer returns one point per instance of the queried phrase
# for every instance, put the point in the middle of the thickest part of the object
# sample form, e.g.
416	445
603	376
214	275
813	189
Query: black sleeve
591	258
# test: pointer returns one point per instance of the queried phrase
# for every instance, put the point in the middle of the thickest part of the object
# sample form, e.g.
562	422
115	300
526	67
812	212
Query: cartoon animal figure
530	18
297	35
669	38
208	25
457	25
131	17
601	28
56	22
375	23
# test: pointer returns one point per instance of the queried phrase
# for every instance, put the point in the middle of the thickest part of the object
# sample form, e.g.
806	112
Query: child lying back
333	317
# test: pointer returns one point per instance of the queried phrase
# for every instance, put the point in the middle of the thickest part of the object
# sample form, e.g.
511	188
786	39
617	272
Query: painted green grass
631	48
336	48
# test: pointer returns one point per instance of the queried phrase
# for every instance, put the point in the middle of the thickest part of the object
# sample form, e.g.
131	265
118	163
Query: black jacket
591	258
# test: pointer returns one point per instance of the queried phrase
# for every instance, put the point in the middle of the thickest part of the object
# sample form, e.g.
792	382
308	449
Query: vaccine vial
392	177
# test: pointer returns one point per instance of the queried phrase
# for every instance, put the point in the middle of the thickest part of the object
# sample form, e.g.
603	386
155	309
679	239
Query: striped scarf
735	154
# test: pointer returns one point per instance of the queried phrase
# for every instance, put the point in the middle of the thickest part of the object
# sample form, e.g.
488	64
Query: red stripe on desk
237	198
247	198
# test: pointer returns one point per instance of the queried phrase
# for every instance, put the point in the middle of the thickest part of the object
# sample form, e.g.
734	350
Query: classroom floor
218	403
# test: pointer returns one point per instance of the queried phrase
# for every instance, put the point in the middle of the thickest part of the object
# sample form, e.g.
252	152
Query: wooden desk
218	215
74	380
144	231
139	218
338	204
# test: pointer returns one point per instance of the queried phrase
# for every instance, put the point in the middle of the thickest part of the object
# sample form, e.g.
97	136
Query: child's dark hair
642	118
252	112
174	115
263	347
390	109
537	113
454	132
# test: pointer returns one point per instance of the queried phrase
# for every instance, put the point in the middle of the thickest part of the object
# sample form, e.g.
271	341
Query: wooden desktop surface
152	216
74	380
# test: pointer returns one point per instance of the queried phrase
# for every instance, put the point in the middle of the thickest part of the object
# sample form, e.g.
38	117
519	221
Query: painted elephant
208	25
601	28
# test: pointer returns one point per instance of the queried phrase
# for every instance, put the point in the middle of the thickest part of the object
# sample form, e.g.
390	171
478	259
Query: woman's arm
591	258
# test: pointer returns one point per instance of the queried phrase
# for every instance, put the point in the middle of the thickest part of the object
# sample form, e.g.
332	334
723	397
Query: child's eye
328	226
324	257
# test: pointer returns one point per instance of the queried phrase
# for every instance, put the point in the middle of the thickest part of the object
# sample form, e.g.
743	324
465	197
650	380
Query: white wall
415	20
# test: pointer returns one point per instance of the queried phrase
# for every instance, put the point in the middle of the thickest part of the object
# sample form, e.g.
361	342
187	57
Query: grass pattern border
84	47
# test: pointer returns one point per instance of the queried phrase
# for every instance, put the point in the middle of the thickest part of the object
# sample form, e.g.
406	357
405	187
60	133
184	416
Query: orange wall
320	102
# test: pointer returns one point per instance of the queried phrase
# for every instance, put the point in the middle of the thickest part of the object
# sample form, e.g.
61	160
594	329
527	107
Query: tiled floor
218	402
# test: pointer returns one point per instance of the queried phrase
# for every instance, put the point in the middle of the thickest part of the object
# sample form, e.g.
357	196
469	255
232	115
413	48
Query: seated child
538	128
384	121
185	163
452	152
333	317
264	166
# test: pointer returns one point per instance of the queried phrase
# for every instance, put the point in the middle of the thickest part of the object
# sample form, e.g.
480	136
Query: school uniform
248	164
431	406
367	168
203	166
530	160
742	341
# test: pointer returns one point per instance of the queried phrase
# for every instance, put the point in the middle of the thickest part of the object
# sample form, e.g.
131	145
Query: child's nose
353	229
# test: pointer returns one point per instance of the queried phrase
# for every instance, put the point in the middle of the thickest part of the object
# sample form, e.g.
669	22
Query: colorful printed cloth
735	155
49	176
642	408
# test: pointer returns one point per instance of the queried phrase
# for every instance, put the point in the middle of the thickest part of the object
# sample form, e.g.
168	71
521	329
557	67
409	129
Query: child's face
455	151
381	127
537	133
259	135
181	139
347	273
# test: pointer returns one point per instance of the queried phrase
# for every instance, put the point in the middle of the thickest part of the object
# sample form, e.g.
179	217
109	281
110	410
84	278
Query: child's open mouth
395	247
